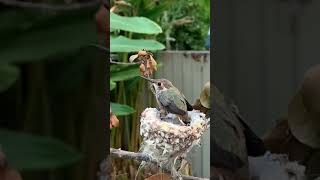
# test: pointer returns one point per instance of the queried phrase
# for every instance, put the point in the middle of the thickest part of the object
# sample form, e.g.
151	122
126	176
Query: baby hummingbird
170	99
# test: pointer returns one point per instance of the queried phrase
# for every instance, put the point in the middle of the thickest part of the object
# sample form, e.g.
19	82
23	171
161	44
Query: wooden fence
189	71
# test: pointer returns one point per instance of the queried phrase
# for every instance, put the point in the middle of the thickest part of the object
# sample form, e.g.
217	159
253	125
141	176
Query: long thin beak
148	79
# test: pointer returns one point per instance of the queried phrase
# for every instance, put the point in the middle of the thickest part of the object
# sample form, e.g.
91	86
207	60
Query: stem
124	63
118	153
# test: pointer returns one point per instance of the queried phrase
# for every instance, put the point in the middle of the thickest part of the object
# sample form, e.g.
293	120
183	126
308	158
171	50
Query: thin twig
118	153
123	63
111	61
99	46
65	7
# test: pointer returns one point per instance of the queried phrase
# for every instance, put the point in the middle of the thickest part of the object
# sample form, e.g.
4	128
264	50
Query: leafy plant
129	34
122	44
186	24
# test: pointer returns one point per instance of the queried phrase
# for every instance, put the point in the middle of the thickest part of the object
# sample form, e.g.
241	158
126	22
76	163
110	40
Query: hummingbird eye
159	83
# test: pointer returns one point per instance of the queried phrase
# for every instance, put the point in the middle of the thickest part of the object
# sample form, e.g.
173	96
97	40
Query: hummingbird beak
149	79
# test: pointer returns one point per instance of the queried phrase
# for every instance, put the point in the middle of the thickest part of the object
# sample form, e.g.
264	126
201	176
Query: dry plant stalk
147	63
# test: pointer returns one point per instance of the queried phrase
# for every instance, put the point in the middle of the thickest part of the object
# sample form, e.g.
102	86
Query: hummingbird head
159	84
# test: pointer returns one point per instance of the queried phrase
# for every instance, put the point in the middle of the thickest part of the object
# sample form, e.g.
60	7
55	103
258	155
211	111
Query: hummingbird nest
165	141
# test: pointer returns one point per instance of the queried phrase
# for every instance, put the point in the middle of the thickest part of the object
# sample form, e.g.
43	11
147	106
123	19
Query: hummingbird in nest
170	99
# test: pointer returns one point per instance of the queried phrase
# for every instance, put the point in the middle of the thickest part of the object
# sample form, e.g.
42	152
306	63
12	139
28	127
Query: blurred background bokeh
263	50
52	89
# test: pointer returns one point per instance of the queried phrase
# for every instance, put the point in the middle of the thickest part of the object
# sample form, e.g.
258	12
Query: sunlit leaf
8	75
123	44
121	109
112	85
29	152
134	24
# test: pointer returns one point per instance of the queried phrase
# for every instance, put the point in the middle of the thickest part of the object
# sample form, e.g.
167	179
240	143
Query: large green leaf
123	44
112	85
56	34
121	109
29	152
125	73
8	75
134	24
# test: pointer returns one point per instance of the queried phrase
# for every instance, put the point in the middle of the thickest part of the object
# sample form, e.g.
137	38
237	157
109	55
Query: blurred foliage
186	24
29	152
8	76
51	88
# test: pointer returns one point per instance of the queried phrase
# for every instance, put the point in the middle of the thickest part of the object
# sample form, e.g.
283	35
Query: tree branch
65	7
118	153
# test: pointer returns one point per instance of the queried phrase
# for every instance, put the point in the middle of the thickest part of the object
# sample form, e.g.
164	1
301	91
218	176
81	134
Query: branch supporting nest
118	153
46	6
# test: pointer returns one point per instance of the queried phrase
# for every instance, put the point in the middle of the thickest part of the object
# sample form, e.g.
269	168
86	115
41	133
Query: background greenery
51	91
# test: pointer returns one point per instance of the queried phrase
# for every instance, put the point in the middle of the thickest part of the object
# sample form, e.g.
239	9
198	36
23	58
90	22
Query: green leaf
125	73
65	33
134	24
121	109
123	44
112	85
8	75
29	152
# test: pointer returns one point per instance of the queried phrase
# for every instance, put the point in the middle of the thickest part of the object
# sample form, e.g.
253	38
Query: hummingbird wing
224	159
189	106
173	102
255	145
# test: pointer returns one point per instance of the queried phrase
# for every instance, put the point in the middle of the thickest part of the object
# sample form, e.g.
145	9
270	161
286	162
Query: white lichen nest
165	141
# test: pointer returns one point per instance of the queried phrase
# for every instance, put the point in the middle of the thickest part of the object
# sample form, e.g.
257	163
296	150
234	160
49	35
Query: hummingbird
170	99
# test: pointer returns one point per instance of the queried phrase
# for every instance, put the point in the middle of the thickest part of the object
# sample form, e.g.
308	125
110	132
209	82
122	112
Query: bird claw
163	118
